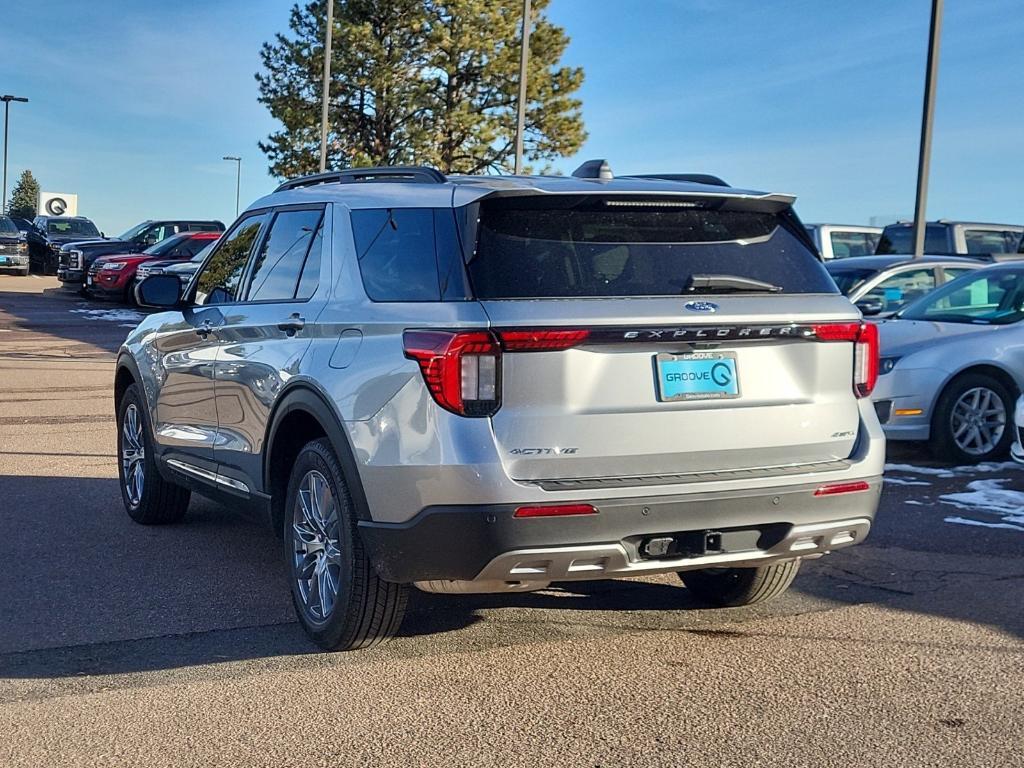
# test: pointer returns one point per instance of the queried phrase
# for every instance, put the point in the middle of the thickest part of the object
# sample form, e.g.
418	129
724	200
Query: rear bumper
487	543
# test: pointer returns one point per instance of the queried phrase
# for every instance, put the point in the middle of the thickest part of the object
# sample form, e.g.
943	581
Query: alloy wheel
133	455
316	546
978	420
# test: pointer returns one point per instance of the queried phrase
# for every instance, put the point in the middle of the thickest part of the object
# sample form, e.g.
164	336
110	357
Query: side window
846	244
278	264
904	287
396	253
310	278
985	241
219	281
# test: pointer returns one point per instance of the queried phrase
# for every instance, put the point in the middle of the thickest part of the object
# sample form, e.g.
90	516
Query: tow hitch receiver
687	544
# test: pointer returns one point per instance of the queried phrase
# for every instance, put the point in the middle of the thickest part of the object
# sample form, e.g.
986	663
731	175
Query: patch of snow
914	503
899	481
986	467
912	470
967	521
988	497
113	315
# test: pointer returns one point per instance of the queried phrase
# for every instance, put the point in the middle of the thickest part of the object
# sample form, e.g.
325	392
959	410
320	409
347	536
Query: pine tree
418	81
24	197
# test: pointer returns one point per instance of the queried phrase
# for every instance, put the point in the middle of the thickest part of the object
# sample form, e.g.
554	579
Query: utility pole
327	85
924	158
7	99
524	58
238	178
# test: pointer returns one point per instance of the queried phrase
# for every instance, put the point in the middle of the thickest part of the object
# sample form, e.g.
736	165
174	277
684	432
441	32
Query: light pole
238	178
524	58
327	85
7	99
931	79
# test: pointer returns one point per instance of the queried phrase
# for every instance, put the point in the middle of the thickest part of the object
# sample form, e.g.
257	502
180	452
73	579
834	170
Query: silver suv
481	384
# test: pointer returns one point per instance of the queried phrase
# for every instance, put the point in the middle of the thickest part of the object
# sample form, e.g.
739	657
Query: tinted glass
989	241
848	279
277	266
899	238
219	281
582	247
311	269
846	244
194	245
62	227
165	246
987	297
396	253
902	288
134	232
204	227
7	226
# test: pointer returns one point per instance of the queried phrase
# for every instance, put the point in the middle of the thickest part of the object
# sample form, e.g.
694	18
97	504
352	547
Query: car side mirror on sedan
160	291
869	307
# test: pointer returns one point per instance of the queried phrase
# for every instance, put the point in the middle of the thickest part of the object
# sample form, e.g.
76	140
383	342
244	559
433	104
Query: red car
114	276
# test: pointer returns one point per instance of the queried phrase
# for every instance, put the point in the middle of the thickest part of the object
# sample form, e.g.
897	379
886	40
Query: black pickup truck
48	234
76	257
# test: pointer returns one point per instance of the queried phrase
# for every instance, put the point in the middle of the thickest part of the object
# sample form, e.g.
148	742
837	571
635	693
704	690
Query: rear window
559	248
848	279
899	238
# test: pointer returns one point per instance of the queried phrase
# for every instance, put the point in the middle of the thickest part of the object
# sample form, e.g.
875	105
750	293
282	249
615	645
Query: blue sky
134	103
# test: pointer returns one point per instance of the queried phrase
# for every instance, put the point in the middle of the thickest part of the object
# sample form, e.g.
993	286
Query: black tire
366	610
733	587
943	440
160	501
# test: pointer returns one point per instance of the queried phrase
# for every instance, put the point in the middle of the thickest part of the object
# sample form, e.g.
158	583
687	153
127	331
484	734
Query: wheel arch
125	374
303	414
1000	374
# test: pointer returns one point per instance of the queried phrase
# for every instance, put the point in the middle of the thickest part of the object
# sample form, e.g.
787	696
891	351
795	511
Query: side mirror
160	291
869	307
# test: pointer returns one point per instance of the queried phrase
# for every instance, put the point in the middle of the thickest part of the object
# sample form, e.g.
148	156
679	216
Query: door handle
292	325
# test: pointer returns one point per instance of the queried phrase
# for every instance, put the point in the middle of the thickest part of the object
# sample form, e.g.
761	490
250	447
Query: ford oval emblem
701	306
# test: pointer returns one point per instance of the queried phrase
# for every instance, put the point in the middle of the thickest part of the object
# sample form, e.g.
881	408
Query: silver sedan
953	365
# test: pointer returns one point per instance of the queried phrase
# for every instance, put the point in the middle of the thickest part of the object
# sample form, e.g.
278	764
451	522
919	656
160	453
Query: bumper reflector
834	489
560	510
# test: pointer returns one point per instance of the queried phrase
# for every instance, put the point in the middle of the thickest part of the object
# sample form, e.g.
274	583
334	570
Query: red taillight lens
560	510
462	370
865	351
541	340
834	489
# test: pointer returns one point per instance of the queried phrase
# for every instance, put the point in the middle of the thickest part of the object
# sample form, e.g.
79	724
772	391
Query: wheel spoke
316	564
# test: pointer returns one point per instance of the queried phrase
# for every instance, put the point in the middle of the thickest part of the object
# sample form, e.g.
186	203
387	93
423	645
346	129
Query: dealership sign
57	204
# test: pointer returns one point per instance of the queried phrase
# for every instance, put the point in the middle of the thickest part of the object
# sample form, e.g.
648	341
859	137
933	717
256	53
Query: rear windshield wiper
727	283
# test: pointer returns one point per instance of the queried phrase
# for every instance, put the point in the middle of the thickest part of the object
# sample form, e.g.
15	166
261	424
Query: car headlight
115	267
886	364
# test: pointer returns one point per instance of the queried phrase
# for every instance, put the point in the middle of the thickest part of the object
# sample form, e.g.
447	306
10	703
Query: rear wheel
733	587
147	497
340	600
971	420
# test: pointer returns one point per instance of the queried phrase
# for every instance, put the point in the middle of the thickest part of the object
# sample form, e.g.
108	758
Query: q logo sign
56	206
721	374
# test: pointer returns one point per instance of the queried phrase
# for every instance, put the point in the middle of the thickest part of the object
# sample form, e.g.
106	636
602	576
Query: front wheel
971	420
340	600
733	587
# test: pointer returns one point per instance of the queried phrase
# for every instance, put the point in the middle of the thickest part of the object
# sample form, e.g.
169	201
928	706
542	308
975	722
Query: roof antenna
594	169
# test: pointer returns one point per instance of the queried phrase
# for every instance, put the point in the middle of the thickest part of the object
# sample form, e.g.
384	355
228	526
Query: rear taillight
865	351
836	489
521	340
462	370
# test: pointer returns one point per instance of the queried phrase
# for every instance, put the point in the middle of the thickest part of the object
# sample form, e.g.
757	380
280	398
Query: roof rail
414	174
696	178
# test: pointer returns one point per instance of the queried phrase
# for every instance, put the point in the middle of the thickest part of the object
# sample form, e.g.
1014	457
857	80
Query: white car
952	366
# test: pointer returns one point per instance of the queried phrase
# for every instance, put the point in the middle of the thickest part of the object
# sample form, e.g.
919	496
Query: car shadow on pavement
85	591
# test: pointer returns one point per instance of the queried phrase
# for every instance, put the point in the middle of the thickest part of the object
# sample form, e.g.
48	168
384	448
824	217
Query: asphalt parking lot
124	645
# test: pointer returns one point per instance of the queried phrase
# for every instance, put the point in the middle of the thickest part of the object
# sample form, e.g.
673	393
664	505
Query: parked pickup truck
840	241
76	257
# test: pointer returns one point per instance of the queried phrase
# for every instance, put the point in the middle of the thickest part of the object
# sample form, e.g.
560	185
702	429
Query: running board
207	476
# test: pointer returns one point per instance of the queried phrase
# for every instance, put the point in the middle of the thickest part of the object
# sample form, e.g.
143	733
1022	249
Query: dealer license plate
697	376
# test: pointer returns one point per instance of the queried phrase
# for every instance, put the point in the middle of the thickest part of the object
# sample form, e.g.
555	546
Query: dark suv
76	257
48	234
